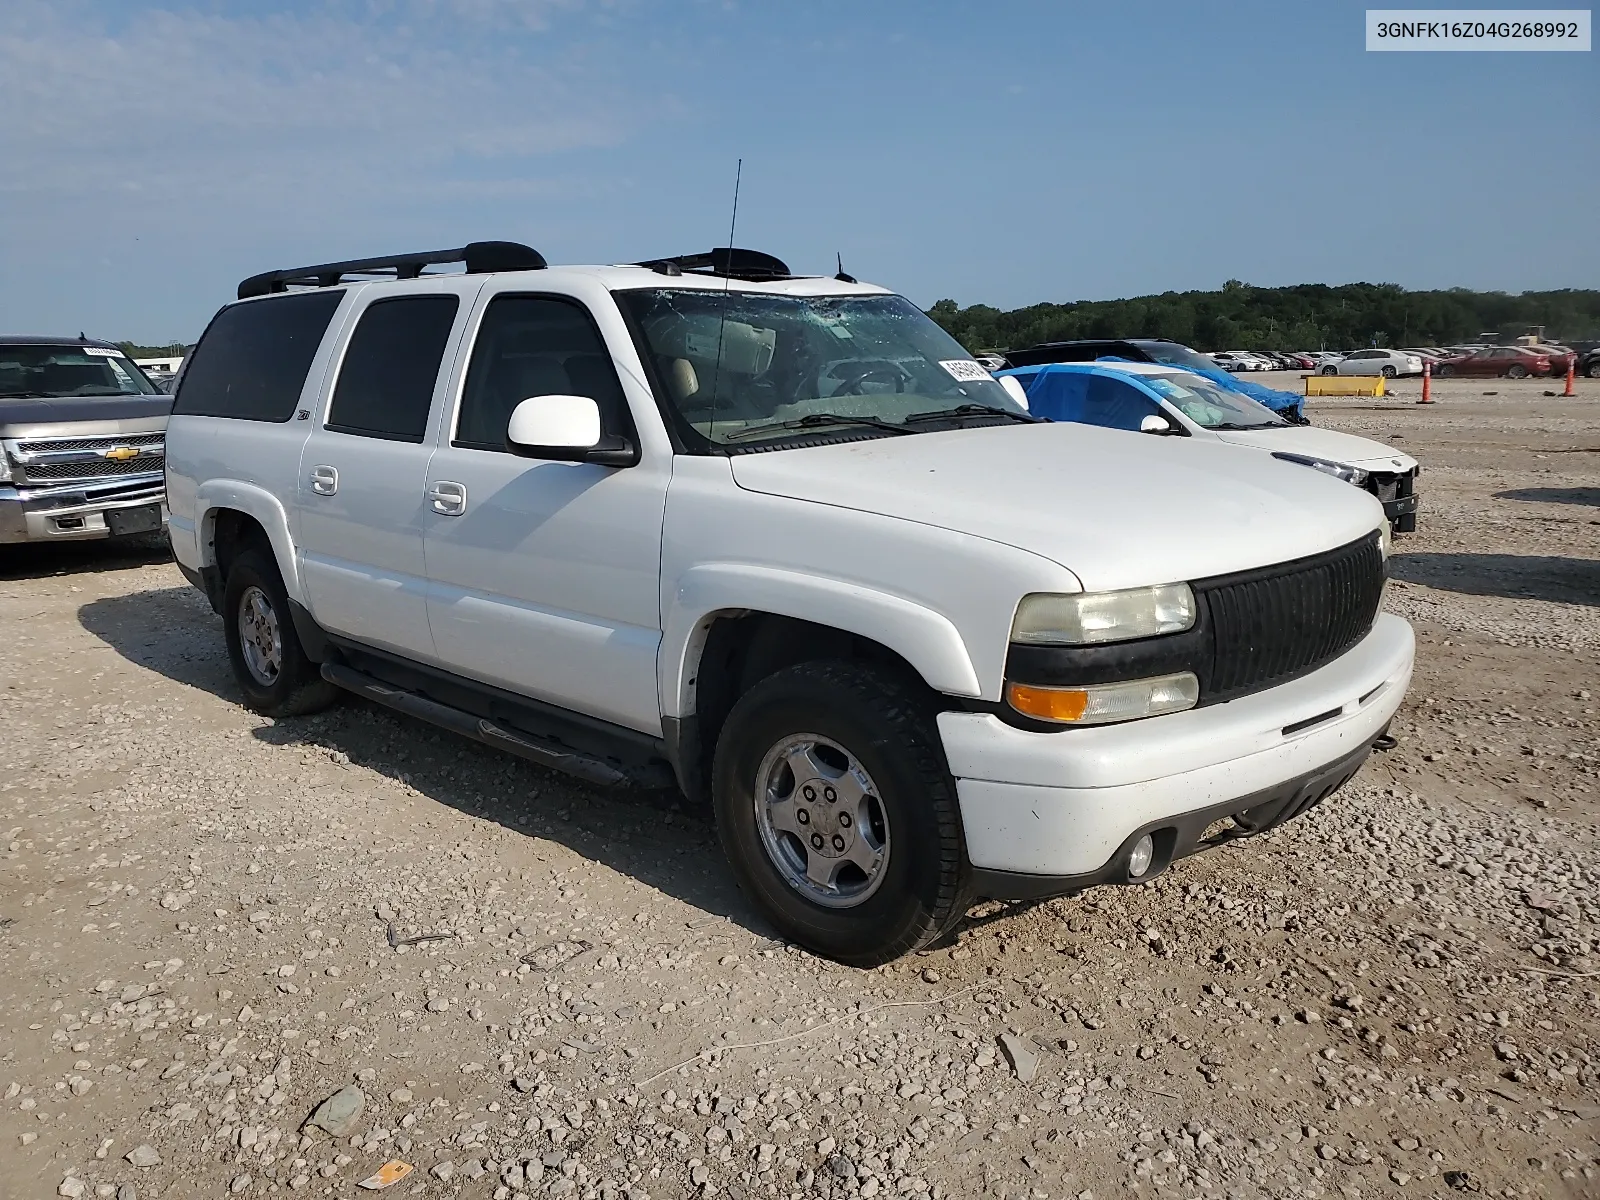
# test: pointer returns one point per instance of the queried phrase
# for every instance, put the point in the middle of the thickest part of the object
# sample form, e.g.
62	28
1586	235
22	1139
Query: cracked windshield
745	368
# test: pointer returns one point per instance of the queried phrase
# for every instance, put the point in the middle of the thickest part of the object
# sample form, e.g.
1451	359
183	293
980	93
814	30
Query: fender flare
267	510
924	638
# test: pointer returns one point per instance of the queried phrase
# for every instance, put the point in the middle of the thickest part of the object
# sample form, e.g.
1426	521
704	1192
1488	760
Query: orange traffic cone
1427	383
1572	364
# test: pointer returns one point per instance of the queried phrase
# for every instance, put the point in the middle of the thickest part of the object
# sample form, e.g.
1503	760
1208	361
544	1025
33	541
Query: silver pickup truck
82	442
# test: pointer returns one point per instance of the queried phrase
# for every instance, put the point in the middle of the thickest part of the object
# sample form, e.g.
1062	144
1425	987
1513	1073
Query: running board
557	758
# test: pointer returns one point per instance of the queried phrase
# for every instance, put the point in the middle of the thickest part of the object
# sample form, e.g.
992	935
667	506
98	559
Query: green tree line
1309	316
134	350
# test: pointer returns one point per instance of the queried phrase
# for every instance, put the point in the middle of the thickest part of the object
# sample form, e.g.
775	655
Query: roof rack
728	261
479	257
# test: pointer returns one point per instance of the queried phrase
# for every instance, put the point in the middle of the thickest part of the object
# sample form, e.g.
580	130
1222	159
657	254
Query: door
543	577
360	500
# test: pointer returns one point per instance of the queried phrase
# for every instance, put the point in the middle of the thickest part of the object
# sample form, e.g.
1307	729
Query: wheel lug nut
829	795
816	840
838	842
844	820
802	816
811	792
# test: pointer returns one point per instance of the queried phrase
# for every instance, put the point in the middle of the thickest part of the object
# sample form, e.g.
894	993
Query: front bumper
73	512
1049	813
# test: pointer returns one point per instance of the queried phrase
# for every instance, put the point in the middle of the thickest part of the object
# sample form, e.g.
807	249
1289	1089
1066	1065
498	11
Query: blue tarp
1277	401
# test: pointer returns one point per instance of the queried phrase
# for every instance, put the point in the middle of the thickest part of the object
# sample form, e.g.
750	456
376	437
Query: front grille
103	442
1273	624
145	464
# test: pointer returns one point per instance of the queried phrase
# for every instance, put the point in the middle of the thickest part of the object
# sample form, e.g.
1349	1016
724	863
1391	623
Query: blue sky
151	155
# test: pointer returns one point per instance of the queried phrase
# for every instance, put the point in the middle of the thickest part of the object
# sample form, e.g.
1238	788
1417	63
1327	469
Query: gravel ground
204	917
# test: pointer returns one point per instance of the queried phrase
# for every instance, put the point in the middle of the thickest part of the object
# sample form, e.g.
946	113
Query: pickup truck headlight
1104	703
1090	618
1338	470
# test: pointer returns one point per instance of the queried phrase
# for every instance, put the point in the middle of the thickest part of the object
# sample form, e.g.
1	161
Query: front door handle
448	499
324	480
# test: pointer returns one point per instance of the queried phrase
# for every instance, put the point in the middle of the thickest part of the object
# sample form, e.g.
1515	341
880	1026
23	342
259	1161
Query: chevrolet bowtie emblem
120	454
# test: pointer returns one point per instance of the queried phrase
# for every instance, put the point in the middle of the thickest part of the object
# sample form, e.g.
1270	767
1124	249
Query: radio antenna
727	279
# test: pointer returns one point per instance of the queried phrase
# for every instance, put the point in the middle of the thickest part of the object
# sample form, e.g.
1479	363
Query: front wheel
1593	369
1516	371
838	814
1442	372
271	666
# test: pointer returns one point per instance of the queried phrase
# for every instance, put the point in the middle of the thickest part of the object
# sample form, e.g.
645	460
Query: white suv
780	540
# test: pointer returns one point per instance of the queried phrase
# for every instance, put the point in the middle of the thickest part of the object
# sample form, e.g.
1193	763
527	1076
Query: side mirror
565	429
1156	424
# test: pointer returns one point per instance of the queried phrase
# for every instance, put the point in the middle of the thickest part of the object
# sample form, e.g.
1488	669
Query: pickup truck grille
70	460
1273	624
145	464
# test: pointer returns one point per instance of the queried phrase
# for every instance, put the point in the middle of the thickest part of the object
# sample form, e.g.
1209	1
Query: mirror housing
1157	424
565	429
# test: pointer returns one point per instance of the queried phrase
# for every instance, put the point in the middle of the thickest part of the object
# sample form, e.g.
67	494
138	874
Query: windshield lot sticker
964	370
101	351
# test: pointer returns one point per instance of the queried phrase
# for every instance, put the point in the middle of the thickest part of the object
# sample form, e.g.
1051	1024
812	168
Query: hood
1322	443
1117	509
24	417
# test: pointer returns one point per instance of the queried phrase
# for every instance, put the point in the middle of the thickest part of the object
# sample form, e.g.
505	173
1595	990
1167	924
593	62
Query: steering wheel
883	372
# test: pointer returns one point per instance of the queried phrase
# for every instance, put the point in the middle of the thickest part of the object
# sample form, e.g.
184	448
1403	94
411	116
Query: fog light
1139	861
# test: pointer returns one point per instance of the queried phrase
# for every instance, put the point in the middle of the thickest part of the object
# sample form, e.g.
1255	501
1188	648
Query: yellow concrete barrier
1344	385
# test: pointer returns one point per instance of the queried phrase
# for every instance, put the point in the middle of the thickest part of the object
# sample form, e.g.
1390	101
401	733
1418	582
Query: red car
1514	362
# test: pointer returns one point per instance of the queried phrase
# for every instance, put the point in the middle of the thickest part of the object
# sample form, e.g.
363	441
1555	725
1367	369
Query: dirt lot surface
203	918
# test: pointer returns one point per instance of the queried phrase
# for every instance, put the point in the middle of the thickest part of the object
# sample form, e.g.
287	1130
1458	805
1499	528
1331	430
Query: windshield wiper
1235	427
28	396
973	410
817	421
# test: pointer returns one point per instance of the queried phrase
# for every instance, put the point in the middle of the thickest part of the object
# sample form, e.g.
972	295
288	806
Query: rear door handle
324	480
448	499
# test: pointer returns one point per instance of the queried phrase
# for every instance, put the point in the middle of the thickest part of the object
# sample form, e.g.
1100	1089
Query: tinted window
385	386
253	359
535	346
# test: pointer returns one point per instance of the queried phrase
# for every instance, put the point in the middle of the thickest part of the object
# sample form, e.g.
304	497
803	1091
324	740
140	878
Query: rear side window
253	359
386	384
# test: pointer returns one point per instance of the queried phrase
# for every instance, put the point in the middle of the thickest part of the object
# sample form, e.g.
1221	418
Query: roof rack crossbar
477	257
751	265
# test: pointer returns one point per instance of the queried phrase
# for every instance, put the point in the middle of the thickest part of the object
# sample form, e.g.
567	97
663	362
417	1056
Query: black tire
1516	371
297	686
926	883
1443	372
1593	369
1389	372
1330	370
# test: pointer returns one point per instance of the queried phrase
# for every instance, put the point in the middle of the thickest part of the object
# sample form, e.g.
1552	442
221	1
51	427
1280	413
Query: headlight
1104	703
5	468
1338	470
1088	618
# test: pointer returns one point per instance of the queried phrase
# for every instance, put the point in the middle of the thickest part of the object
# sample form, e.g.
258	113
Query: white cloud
286	108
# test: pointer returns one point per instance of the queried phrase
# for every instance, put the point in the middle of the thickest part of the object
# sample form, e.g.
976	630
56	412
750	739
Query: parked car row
1515	362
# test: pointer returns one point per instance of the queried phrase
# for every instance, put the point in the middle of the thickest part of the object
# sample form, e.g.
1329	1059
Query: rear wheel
1388	372
1330	370
1593	369
1442	370
838	814
271	666
1516	371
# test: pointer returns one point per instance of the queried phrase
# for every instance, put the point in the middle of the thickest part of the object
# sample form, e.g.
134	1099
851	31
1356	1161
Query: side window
253	358
1089	400
385	386
535	346
1115	404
